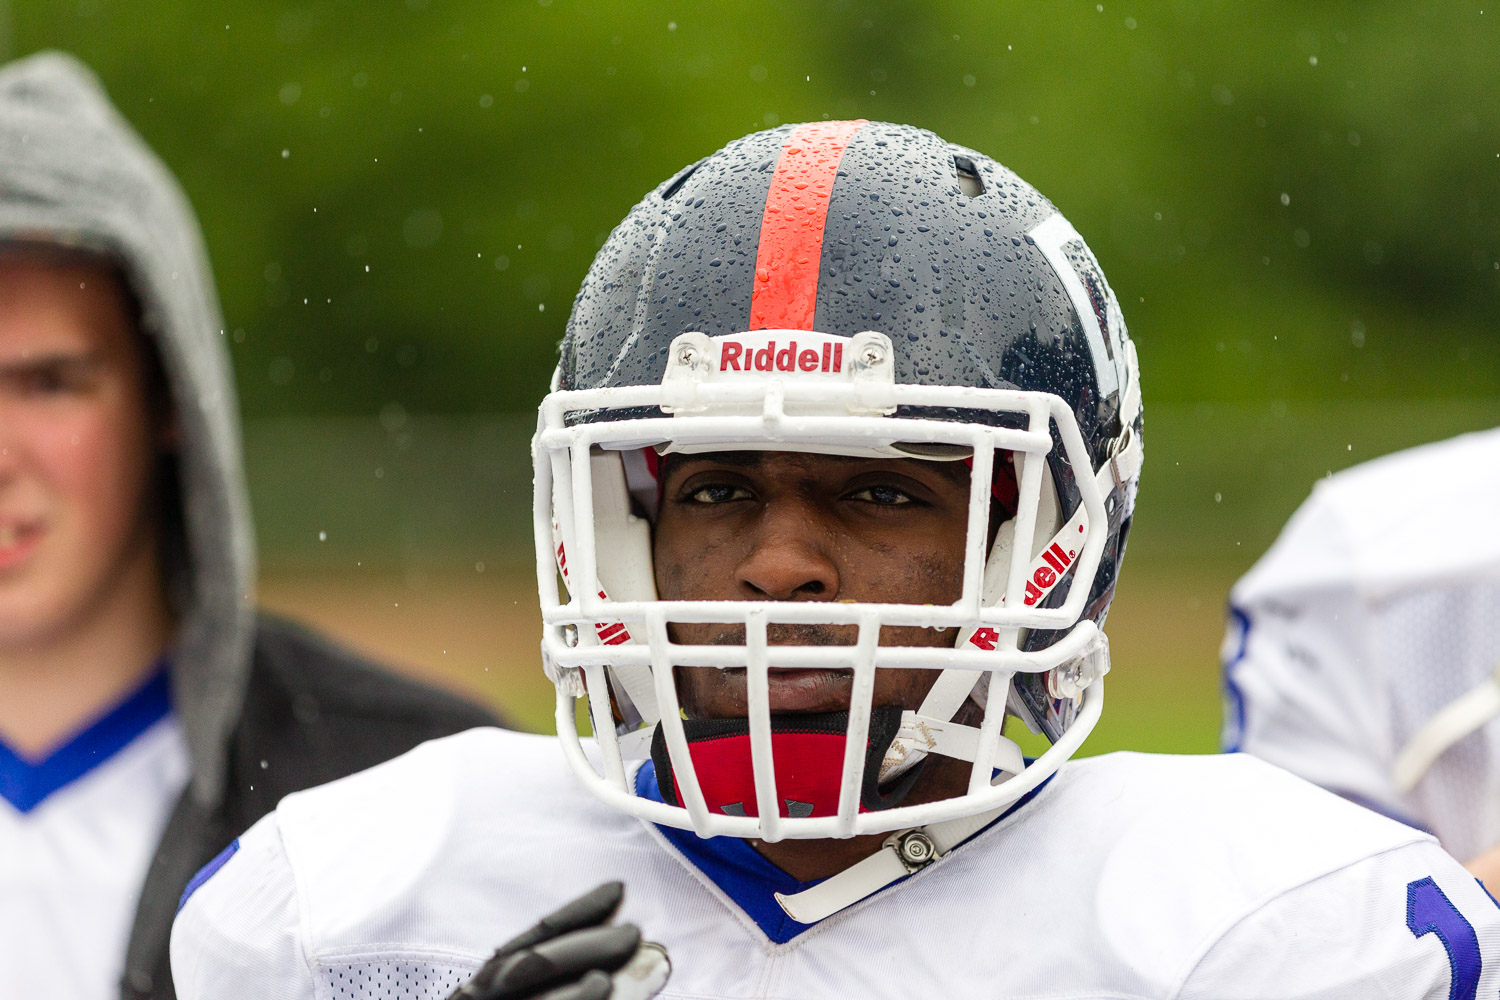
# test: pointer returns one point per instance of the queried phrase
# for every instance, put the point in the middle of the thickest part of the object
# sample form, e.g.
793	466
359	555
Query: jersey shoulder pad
413	861
1153	858
1393	522
236	928
1244	828
373	852
1409	922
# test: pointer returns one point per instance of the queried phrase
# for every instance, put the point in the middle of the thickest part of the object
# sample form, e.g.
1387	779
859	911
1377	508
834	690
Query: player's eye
718	493
884	496
45	380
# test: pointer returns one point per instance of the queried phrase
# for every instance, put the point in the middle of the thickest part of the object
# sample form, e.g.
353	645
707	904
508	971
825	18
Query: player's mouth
722	693
805	690
17	541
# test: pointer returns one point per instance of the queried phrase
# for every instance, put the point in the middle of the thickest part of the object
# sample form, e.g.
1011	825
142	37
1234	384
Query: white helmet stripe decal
1052	238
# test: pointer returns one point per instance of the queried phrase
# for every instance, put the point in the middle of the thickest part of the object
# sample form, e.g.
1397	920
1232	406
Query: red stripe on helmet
791	228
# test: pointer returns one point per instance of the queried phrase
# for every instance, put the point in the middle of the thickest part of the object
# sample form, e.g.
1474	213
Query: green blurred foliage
1294	201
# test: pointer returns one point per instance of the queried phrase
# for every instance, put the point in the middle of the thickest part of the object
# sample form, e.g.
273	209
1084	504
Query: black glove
574	954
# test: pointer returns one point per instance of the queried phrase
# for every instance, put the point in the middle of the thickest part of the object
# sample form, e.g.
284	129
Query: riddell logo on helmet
1045	577
786	356
1054	563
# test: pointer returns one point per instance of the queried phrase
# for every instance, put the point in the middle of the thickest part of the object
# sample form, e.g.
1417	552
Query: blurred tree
1293	201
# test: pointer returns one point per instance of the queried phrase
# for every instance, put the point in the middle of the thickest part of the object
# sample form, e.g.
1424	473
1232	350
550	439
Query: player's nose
790	557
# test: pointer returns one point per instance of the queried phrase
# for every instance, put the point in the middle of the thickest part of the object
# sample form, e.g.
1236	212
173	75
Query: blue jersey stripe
207	871
1233	737
25	784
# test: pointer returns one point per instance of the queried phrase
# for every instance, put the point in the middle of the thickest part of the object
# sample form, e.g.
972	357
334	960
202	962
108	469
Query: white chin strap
902	854
1460	718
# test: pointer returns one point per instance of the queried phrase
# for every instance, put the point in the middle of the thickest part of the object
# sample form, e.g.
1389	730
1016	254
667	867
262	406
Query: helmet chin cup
807	751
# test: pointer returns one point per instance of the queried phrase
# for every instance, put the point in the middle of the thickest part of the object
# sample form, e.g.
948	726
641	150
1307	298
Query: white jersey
77	832
1194	878
1378	606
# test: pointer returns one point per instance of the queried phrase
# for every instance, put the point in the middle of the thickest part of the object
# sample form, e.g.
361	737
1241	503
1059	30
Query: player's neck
806	860
52	686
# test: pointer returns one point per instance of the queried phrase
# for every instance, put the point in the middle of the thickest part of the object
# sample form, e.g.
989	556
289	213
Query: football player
835	475
1363	650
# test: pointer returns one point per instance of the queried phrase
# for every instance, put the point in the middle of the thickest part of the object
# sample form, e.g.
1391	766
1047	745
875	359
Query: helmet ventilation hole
678	182
968	177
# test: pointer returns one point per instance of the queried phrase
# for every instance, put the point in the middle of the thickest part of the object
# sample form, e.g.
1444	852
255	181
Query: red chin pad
808	755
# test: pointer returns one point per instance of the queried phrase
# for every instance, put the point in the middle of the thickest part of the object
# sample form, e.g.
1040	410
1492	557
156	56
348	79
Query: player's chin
712	693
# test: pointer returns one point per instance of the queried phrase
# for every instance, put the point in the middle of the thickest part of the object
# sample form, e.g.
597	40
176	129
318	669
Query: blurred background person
148	714
1363	650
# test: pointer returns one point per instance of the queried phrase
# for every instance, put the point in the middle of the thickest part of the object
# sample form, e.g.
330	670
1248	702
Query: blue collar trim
26	783
747	878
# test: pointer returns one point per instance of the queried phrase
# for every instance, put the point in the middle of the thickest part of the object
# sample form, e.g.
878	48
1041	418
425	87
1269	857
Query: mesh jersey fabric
1129	876
391	979
1358	626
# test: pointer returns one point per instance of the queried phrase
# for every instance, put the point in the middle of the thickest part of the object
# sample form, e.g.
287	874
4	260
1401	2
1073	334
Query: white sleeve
1406	924
238	932
1304	688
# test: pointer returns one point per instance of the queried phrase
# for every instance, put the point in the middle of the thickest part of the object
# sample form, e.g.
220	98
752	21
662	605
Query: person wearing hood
148	714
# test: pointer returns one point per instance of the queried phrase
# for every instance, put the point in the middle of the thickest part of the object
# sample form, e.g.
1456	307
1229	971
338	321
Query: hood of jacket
75	174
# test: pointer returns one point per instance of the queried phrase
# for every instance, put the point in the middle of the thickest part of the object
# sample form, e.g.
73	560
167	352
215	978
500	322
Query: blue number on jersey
1429	911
